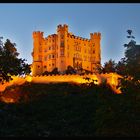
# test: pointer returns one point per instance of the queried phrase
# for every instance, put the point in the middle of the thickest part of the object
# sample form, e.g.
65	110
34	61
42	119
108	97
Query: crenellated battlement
78	37
95	35
62	27
38	34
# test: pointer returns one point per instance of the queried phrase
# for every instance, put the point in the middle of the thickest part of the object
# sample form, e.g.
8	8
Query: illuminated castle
64	49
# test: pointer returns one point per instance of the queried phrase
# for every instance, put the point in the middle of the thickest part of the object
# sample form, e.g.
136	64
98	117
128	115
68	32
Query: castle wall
64	78
111	78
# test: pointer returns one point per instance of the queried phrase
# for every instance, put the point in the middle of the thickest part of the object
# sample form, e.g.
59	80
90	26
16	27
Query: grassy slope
68	110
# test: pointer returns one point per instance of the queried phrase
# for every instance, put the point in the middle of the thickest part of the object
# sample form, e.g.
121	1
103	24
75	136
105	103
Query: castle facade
64	49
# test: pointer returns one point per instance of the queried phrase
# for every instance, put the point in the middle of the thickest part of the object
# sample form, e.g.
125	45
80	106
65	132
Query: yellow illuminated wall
63	49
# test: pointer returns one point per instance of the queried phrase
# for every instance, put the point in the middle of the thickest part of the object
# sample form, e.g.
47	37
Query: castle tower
95	39
37	53
62	32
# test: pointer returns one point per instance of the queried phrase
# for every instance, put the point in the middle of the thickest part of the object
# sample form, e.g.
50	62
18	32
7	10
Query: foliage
70	70
54	71
108	67
132	57
10	64
121	67
129	66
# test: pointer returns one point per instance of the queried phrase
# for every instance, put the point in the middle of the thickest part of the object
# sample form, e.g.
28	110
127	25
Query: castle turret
62	32
95	40
37	53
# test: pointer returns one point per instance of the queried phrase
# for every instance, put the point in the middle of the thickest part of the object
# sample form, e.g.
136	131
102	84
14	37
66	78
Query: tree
121	67
10	64
108	67
55	71
132	57
70	70
130	83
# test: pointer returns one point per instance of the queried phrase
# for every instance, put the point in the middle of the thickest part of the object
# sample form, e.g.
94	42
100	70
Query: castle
64	49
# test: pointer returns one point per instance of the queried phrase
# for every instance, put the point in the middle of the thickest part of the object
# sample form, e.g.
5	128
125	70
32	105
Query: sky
18	21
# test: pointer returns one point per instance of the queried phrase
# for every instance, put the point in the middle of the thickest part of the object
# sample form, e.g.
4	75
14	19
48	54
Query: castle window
38	66
45	66
93	51
52	64
62	44
49	48
62	36
61	61
53	47
45	58
45	50
49	56
79	48
77	55
49	64
53	56
61	52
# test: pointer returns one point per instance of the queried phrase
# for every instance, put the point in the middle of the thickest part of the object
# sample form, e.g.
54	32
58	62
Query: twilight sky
18	21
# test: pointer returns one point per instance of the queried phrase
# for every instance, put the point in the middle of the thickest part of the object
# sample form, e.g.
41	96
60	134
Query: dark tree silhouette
121	67
108	67
10	64
132	57
55	71
70	70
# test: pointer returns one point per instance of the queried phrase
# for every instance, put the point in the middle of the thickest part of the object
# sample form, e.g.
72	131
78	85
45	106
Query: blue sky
18	21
